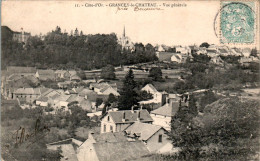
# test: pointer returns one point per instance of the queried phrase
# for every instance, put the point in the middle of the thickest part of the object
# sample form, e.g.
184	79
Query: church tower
125	41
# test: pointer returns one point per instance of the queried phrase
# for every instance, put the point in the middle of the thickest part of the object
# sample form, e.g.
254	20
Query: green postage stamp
237	22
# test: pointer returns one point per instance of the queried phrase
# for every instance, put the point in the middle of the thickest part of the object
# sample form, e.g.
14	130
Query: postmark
237	23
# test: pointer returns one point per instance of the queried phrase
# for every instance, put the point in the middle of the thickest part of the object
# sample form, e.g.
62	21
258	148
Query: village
127	110
138	131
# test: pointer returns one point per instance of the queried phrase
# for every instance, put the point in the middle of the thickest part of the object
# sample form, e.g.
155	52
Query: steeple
124	31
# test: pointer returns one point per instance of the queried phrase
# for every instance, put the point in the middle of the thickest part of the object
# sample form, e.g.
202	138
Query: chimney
139	115
123	117
132	109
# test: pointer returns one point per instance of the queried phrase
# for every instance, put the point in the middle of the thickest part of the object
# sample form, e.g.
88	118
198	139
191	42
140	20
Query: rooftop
33	91
120	150
18	69
145	130
167	109
110	137
130	116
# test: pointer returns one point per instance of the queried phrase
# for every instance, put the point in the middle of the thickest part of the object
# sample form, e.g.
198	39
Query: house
183	50
211	52
109	90
154	136
193	49
45	99
223	51
21	37
111	146
42	101
236	52
64	85
246	61
116	121
28	95
246	52
62	74
104	88
217	60
45	75
162	116
60	102
177	58
68	148
164	56
202	50
75	78
20	70
158	97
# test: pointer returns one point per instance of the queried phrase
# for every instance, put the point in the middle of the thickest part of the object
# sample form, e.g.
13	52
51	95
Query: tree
128	95
205	44
108	72
99	101
228	130
155	73
254	52
208	98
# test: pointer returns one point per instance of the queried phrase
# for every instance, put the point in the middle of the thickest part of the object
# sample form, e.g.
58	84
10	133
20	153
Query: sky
171	26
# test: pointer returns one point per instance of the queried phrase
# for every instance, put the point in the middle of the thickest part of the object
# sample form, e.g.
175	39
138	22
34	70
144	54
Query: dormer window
108	119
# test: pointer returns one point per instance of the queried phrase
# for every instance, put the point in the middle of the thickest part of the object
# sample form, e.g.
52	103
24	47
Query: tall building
21	37
125	42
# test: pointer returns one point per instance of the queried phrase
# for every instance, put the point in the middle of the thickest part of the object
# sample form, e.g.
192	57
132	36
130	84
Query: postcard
130	80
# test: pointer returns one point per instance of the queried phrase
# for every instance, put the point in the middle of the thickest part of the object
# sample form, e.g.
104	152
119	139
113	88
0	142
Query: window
108	118
105	128
111	128
160	138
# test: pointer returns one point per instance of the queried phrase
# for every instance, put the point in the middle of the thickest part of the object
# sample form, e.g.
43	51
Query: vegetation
228	130
128	94
108	72
155	73
205	44
61	50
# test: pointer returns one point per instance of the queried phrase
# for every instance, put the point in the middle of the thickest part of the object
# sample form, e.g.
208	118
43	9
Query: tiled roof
120	151
79	89
152	87
43	99
86	92
246	50
145	130
167	110
63	97
72	72
85	104
130	116
17	69
33	91
46	72
110	137
75	77
165	56
14	77
60	71
211	51
46	92
68	151
223	50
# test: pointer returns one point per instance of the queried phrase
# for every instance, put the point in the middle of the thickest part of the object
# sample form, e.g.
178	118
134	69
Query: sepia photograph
130	80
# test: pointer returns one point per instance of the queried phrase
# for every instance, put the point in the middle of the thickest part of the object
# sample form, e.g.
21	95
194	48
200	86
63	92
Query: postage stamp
237	22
